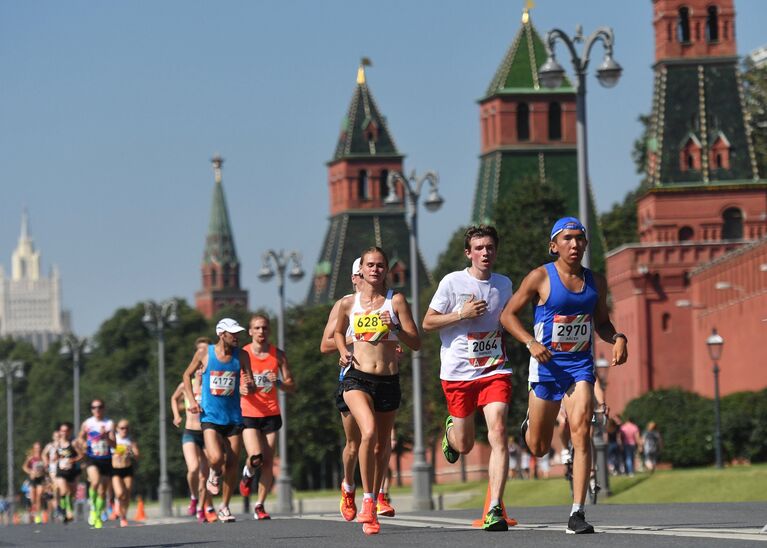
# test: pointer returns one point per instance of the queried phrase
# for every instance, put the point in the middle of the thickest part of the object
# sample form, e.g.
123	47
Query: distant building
697	263
30	304
759	56
528	136
365	155
220	265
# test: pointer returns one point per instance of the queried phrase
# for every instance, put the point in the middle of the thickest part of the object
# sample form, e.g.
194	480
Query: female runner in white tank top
380	319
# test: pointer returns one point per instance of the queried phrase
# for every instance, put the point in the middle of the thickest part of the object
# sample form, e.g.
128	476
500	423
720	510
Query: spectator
613	447
651	446
629	434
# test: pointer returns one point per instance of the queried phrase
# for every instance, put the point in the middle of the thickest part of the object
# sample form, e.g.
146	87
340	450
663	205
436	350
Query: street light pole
552	74
10	369
281	260
158	317
412	189
76	348
715	343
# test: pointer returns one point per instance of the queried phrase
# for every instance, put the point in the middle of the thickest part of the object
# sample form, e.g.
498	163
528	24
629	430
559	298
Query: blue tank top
221	390
564	324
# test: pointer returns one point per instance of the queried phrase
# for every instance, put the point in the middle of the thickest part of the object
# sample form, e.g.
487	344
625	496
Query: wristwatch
396	327
529	343
620	335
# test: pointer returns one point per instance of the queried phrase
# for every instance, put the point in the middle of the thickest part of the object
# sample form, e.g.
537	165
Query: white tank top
366	324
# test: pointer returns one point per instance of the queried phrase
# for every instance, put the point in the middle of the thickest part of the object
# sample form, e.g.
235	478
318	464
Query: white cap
357	266
229	325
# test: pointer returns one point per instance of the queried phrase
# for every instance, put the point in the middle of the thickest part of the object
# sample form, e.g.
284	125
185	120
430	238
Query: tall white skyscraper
30	304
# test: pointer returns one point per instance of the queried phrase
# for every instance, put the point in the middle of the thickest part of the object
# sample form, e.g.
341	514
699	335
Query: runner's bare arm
328	344
408	332
434	320
342	323
529	291
288	383
134	450
194	365
175	399
249	386
604	327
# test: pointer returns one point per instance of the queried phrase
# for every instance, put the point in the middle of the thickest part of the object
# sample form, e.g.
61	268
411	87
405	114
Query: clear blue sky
110	112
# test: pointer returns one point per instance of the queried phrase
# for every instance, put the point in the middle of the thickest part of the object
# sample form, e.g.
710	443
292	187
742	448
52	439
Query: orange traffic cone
140	515
478	522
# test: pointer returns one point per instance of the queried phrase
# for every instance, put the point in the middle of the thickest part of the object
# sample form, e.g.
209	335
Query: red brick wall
667	45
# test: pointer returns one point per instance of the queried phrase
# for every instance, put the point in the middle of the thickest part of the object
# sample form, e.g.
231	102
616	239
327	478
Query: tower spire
217	162
364	62
529	4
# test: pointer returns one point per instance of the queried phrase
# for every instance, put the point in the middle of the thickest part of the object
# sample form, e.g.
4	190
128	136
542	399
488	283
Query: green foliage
686	422
619	224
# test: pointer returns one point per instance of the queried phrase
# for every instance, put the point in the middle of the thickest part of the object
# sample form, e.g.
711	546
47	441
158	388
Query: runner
351	430
193	446
474	371
67	461
570	303
34	467
49	457
125	455
98	436
261	410
380	319
220	415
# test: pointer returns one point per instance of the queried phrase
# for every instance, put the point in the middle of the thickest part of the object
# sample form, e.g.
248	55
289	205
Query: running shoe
225	516
192	509
383	506
348	506
201	516
260	513
210	515
577	524
98	524
494	520
373	527
565	456
213	483
368	512
123	522
451	454
92	518
245	484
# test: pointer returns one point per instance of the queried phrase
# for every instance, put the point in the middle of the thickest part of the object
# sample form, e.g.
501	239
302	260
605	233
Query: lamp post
412	191
158	317
715	342
10	369
552	74
600	445
75	348
281	260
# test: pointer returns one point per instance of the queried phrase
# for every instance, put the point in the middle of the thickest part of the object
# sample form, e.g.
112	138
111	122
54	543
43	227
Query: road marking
440	522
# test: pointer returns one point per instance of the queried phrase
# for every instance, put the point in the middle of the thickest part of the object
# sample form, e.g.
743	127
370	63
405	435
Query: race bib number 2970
571	333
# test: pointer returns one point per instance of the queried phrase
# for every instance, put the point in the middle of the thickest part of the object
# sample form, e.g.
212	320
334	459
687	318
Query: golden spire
529	4
217	162
364	62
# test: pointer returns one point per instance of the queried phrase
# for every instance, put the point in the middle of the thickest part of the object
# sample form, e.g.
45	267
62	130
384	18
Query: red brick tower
220	265
706	196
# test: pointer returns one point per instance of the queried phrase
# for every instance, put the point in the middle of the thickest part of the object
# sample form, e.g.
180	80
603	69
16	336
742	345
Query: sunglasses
97	407
122	427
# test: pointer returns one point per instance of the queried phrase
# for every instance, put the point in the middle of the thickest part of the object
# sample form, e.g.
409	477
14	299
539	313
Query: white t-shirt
472	348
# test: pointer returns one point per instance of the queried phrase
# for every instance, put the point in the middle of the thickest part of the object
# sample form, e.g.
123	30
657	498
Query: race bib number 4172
571	333
222	382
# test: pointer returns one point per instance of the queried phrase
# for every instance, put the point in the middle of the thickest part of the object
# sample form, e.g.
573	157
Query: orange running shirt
263	402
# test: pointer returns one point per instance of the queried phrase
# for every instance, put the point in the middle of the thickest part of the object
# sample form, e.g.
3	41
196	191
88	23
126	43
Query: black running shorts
384	389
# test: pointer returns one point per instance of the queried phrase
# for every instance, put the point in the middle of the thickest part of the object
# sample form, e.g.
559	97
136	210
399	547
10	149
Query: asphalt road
672	525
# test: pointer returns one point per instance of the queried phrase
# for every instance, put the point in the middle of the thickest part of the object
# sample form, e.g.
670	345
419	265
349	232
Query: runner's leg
231	474
384	421
461	435
498	466
361	406
266	444
351	449
542	419
192	459
579	405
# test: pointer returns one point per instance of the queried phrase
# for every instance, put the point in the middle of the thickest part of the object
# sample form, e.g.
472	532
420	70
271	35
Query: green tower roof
518	72
219	244
364	132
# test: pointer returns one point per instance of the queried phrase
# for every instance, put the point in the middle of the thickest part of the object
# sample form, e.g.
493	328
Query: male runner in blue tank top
570	303
220	415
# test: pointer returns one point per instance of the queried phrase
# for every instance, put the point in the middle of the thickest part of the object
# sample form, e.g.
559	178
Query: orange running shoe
368	512
373	527
348	506
383	506
210	515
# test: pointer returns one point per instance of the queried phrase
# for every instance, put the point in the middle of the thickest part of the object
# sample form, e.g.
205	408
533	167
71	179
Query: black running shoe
494	520
577	525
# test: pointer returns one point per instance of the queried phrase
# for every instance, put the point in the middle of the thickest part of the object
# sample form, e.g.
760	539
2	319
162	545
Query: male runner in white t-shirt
475	374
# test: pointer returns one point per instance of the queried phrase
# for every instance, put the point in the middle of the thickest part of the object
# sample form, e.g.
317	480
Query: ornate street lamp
715	344
157	318
552	75
281	260
72	347
412	190
10	369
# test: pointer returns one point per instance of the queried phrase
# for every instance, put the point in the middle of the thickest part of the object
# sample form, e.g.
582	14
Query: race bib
485	348
369	327
222	383
100	447
65	463
262	381
571	333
